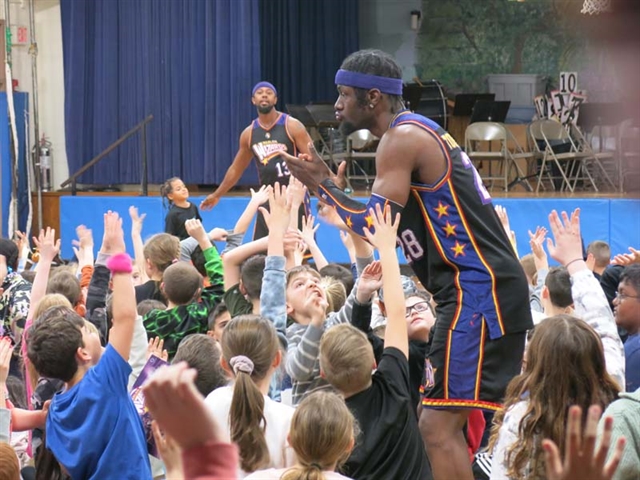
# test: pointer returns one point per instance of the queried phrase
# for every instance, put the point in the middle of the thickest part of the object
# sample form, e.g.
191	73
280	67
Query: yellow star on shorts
458	249
349	222
442	210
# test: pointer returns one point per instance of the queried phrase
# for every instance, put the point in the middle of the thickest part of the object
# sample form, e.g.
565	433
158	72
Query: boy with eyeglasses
419	316
626	308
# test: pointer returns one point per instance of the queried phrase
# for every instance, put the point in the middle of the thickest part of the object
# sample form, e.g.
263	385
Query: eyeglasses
418	307
622	296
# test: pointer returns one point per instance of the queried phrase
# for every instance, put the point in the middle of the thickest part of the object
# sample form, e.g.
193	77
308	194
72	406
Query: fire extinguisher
46	153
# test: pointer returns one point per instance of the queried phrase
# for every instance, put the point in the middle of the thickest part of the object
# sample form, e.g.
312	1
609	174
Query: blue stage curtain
190	63
303	43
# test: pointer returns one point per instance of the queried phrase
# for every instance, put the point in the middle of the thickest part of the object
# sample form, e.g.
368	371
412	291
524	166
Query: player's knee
438	427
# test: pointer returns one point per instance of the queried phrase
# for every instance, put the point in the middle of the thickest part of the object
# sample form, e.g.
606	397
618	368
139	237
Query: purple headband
392	86
264	84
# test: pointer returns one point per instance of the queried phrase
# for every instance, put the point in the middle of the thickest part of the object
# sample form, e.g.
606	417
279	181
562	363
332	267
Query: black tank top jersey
266	146
456	245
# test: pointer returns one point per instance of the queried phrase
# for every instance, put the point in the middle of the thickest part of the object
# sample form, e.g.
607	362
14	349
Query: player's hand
582	460
209	202
47	245
385	228
566	232
310	169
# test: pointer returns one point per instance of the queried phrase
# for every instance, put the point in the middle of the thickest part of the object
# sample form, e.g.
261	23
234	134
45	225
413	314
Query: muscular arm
235	171
299	135
395	161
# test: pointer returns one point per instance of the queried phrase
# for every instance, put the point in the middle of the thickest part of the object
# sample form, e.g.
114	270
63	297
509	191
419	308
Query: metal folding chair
478	140
593	161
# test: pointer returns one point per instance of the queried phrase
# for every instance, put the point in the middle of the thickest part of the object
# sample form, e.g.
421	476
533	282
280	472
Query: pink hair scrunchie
120	263
241	363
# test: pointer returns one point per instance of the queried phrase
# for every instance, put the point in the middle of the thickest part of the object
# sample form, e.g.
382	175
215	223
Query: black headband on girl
392	86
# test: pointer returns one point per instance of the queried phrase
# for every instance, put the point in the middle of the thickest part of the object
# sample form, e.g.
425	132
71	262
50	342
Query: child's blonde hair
346	358
322	435
162	250
252	341
51	300
335	292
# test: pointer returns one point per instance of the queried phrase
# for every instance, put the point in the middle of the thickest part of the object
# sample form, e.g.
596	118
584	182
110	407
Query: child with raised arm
182	285
390	445
93	428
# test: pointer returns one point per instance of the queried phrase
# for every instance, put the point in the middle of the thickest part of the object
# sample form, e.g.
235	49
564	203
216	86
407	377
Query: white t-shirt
275	474
277	415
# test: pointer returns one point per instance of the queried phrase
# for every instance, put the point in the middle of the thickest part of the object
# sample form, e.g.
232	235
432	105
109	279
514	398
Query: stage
615	220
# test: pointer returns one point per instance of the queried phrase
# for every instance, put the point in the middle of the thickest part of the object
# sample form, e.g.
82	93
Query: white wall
50	75
51	84
386	25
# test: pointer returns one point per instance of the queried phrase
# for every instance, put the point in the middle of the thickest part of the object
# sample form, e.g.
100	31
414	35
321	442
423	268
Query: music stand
324	116
488	111
464	102
301	113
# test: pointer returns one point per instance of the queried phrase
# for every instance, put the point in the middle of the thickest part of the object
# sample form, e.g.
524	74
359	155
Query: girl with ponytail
322	436
257	424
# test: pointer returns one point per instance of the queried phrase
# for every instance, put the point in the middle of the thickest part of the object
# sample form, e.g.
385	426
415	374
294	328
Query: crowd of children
270	366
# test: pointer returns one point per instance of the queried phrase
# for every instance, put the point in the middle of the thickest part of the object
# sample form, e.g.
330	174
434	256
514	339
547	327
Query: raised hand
566	233
5	359
156	347
309	230
196	230
536	242
170	453
47	245
22	241
504	218
218	234
627	258
137	220
385	228
261	196
178	407
278	216
113	239
370	281
295	192
582	460
329	215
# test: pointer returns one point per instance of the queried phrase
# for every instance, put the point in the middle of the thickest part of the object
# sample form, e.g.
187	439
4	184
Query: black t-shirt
150	290
389	445
174	221
236	303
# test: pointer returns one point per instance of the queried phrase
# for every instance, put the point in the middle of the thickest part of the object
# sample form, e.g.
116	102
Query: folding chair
475	136
593	161
629	152
555	137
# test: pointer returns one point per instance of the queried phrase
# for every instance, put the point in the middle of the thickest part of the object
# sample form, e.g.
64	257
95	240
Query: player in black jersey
453	239
269	135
